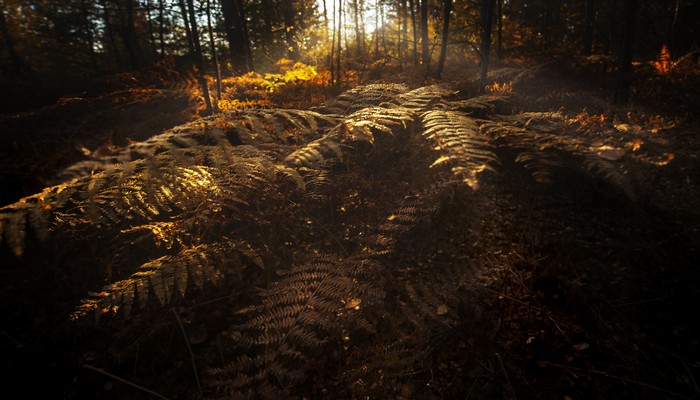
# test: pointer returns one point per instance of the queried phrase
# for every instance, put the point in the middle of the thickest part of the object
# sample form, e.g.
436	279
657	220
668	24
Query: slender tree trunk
214	53
622	93
378	10
199	60
499	27
399	31
588	29
128	36
290	27
547	24
412	5
404	10
88	36
161	27
151	34
447	10
340	31
109	28
332	55
358	29
487	24
237	36
424	33
188	31
18	67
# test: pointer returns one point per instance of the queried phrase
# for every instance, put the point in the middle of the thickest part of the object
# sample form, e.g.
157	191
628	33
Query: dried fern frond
361	124
425	98
241	127
459	138
167	276
312	307
364	96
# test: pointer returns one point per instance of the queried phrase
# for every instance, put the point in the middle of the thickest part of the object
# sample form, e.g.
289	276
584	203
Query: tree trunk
237	36
332	55
214	53
340	31
129	37
288	13
588	29
161	27
110	33
424	33
199	60
151	35
399	31
487	24
358	33
188	32
18	67
447	5
88	36
499	27
622	93
412	5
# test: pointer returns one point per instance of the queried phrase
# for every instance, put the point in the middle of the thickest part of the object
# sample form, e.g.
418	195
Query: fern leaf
169	274
459	136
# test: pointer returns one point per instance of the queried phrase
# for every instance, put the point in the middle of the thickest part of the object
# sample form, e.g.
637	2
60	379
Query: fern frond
168	276
425	98
364	96
311	307
361	124
459	137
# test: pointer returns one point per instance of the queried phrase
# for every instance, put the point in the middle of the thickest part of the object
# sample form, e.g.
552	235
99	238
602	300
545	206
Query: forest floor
578	288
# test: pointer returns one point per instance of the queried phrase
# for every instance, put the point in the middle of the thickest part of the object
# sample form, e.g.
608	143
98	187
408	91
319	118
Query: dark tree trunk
424	33
18	67
399	32
290	27
499	29
340	30
237	35
214	53
109	28
622	93
412	5
151	34
358	29
332	55
487	24
88	36
129	37
447	5
188	31
199	60
161	27
547	25
588	29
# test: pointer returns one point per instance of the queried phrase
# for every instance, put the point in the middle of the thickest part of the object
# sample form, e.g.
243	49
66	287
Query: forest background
350	198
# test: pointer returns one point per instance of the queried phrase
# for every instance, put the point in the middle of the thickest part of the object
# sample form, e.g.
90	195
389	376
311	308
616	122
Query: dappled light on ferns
234	200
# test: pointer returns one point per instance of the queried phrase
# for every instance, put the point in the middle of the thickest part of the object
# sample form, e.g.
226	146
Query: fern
310	308
364	96
459	137
169	276
360	126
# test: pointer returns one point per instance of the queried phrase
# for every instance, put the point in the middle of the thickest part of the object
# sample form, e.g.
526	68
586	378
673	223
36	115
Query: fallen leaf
581	346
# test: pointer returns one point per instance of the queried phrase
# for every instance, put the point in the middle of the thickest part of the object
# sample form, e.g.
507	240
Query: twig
592	371
124	381
189	348
503	367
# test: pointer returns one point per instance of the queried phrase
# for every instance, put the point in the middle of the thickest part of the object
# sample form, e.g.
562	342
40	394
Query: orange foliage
588	120
500	89
663	63
271	89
